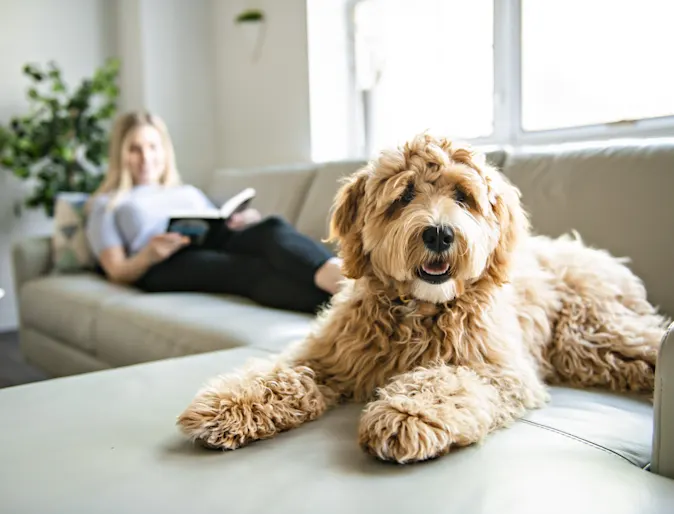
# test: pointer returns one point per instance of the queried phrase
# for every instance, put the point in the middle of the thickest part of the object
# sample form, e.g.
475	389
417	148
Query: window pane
428	64
596	61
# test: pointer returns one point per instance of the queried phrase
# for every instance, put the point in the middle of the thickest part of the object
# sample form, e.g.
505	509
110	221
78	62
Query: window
595	62
424	64
500	71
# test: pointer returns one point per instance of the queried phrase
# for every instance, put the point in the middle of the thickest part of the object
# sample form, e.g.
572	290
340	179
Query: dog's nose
438	238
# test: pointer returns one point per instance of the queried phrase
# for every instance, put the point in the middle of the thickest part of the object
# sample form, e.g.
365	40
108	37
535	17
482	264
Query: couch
106	441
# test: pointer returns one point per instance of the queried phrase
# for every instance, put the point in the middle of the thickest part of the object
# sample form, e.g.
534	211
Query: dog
453	320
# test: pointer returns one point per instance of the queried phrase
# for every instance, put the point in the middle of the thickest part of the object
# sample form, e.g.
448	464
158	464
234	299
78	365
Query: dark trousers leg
269	263
211	271
277	241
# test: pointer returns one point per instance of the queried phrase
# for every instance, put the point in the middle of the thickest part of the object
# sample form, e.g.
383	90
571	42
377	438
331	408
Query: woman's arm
127	270
107	243
122	269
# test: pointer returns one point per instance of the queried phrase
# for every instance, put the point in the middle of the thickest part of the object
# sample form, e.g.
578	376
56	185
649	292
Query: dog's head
431	216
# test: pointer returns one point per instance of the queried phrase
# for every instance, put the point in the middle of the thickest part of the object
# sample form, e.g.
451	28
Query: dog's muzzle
438	238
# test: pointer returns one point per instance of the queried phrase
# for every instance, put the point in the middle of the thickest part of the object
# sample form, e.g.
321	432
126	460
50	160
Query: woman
265	260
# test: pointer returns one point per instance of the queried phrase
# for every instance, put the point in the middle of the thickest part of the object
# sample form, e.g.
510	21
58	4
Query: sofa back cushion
618	196
281	190
314	217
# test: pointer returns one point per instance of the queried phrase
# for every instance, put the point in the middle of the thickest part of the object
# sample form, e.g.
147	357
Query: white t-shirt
140	215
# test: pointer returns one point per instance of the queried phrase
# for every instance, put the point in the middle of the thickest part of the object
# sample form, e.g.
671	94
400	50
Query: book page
231	205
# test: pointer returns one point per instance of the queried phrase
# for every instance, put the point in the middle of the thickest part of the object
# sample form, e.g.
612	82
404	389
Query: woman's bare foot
329	276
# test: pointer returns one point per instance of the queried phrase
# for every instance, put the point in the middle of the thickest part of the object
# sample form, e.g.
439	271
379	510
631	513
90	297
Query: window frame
507	95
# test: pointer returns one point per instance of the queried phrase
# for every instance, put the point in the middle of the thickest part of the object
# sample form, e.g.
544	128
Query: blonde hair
118	179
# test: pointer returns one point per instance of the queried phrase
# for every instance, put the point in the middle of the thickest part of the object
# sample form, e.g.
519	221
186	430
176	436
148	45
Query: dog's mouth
434	272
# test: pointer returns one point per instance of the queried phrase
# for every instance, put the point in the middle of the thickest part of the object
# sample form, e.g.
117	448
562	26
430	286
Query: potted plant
60	144
251	23
250	16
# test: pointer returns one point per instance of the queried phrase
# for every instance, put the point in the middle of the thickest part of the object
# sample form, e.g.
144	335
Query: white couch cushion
281	189
160	325
107	442
66	306
122	325
314	216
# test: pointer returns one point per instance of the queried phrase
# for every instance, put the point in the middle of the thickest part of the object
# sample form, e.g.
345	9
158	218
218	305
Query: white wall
79	35
263	108
178	44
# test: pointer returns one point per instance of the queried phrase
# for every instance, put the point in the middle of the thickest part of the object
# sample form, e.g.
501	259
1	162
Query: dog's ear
513	223
346	223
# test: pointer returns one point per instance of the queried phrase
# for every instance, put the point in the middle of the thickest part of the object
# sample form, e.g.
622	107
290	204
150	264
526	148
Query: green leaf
106	112
22	173
46	174
250	15
55	74
33	201
41	144
33	72
24	144
67	154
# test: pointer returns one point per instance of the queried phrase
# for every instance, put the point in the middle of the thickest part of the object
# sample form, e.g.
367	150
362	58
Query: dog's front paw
403	431
219	420
235	410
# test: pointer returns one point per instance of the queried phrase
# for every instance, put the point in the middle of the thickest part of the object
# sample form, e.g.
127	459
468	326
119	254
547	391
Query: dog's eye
460	196
408	195
404	199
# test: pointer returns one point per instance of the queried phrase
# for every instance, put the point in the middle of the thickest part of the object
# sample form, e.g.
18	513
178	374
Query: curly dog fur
445	342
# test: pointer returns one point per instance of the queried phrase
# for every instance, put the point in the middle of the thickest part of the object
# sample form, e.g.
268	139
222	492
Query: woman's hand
162	246
244	218
122	269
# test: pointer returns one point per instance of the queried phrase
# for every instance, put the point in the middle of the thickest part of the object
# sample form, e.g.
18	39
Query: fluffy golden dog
452	320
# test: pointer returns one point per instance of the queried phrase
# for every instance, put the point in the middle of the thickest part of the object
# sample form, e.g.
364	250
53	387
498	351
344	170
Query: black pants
269	262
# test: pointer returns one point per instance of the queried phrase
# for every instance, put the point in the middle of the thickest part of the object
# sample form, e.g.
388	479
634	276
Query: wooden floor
14	370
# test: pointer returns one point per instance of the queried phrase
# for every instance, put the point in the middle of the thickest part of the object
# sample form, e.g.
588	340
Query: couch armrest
31	258
663	429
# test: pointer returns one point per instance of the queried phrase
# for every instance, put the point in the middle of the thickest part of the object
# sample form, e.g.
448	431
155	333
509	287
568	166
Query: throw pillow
70	248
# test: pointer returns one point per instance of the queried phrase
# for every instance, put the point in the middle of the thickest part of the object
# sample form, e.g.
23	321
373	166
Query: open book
200	226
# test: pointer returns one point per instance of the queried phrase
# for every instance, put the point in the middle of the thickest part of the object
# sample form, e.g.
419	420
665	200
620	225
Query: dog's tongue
436	268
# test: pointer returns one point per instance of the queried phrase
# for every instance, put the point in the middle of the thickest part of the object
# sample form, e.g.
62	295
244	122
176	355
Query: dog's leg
422	414
605	332
256	403
273	396
607	343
